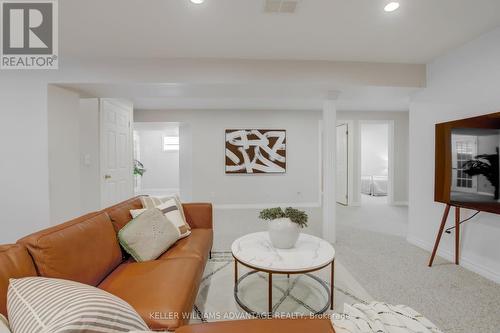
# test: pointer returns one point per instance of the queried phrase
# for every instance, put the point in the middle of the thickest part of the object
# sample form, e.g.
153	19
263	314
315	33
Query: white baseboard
464	261
267	205
400	203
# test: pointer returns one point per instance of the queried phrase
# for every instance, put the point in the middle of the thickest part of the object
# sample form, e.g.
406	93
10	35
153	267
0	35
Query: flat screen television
467	169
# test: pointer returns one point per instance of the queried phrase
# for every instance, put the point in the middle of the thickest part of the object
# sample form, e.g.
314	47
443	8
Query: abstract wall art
253	151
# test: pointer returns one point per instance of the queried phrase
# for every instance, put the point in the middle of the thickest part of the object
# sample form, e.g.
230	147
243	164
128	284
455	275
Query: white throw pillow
38	304
172	209
4	325
172	212
148	235
152	202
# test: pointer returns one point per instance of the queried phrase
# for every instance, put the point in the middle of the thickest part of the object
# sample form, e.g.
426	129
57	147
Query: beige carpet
394	271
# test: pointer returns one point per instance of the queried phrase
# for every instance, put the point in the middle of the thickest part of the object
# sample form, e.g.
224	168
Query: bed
374	185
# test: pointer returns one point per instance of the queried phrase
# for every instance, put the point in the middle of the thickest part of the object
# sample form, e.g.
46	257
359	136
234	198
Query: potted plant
284	225
486	165
138	168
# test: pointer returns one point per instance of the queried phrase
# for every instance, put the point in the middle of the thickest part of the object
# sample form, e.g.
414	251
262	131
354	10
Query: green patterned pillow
148	235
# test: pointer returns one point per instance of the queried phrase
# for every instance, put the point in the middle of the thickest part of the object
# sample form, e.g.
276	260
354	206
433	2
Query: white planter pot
283	233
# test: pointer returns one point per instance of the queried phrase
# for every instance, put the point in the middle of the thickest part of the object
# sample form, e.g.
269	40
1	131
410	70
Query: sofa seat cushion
197	245
15	262
262	326
163	292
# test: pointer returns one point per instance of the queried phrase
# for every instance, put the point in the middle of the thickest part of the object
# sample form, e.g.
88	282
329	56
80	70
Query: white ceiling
339	30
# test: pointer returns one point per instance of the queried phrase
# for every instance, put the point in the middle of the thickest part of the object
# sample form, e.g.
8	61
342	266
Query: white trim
350	162
267	205
464	261
320	159
400	203
390	198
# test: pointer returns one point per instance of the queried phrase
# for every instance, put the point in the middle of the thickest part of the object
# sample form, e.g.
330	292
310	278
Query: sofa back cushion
120	213
85	249
15	262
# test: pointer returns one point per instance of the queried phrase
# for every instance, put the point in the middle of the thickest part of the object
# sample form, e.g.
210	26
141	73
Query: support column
329	150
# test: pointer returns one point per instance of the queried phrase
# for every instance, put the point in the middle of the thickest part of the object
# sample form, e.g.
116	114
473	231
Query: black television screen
475	169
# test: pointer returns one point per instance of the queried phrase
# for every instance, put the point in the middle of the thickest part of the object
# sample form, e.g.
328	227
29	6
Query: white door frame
347	129
102	166
350	161
390	180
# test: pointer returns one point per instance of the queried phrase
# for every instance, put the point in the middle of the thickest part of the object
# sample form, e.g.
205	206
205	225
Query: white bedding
374	185
379	317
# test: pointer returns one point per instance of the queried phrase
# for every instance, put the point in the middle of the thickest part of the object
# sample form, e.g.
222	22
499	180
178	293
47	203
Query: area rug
294	295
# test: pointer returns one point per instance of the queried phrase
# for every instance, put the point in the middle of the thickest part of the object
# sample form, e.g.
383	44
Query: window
465	153
170	143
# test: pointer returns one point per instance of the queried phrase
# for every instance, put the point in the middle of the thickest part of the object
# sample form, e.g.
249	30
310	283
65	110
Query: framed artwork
254	151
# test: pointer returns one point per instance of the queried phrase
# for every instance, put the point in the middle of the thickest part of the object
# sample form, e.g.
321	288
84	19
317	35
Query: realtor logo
29	34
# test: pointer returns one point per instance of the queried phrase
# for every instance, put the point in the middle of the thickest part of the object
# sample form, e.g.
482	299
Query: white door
116	152
342	165
463	149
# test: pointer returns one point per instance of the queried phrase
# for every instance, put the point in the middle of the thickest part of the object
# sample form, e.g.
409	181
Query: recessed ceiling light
391	6
198	2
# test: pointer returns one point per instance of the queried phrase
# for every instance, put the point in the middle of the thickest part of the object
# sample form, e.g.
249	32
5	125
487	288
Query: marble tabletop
309	253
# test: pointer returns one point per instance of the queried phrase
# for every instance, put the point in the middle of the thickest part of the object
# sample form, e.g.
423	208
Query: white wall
162	167
238	198
299	184
461	84
401	149
64	154
73	132
186	161
23	104
90	182
374	149
74	154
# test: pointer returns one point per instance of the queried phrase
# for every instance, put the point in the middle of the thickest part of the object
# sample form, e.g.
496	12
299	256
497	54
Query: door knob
107	177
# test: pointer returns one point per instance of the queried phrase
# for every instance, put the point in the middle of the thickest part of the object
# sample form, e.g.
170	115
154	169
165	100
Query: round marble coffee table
256	252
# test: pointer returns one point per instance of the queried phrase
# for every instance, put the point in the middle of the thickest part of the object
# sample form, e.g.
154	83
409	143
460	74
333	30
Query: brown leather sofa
162	291
87	250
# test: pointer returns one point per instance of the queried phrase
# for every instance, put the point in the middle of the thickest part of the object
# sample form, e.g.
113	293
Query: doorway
156	158
375	163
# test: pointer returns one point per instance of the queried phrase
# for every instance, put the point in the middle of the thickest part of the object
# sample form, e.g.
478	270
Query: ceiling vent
280	6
